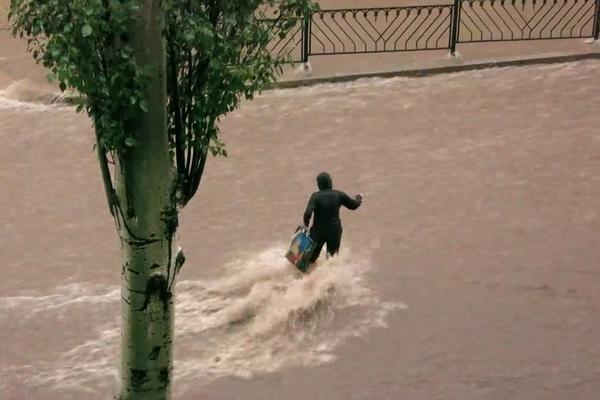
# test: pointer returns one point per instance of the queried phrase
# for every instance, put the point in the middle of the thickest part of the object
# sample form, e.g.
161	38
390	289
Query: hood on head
324	181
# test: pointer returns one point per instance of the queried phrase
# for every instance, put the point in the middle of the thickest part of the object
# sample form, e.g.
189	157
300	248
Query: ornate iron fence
378	30
290	44
437	26
495	21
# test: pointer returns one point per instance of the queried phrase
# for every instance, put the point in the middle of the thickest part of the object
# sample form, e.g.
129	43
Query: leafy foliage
79	41
216	54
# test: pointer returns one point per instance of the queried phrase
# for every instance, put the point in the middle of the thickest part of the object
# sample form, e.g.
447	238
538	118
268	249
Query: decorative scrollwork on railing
289	44
377	30
506	20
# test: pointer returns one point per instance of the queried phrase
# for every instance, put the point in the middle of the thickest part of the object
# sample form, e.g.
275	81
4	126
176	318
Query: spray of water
260	315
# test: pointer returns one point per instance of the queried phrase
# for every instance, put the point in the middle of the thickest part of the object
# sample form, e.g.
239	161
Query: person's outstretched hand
359	197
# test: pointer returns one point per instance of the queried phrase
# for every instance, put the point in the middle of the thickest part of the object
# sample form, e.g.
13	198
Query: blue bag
301	249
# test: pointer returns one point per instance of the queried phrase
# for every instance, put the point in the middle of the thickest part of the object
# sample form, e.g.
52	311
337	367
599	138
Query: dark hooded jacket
326	203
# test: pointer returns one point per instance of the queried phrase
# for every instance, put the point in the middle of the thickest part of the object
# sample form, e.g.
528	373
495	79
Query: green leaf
229	20
131	142
188	36
144	105
86	30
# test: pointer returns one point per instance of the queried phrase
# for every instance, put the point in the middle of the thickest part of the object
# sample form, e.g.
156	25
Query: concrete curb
427	71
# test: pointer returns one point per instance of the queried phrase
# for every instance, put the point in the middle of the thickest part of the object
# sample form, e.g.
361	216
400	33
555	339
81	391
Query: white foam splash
63	296
8	103
259	316
304	69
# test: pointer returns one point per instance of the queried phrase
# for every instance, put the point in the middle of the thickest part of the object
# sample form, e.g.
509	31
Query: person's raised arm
310	207
350	203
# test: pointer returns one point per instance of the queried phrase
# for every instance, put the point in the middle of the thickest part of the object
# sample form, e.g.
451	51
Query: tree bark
147	220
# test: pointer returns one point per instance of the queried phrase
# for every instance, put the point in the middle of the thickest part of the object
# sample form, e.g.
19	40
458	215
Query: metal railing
379	30
437	26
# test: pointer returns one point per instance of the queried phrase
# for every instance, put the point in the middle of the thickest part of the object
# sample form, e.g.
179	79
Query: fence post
597	20
454	25
306	37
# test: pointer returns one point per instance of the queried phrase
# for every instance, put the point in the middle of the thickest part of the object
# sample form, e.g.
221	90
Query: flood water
470	272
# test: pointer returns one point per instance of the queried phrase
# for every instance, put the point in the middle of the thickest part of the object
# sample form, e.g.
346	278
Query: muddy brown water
471	272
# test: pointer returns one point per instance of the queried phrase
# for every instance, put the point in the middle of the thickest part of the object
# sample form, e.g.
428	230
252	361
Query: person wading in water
327	226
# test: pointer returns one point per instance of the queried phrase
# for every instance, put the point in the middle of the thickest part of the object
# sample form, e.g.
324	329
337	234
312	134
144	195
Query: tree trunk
144	182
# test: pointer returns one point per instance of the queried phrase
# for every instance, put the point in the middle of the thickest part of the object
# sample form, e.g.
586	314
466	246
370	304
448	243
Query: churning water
259	316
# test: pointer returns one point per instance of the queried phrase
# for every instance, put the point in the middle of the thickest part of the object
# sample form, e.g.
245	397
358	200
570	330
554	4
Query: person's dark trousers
328	234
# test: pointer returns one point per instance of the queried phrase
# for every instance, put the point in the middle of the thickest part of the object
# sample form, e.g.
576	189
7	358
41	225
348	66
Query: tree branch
109	189
197	175
189	106
179	127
